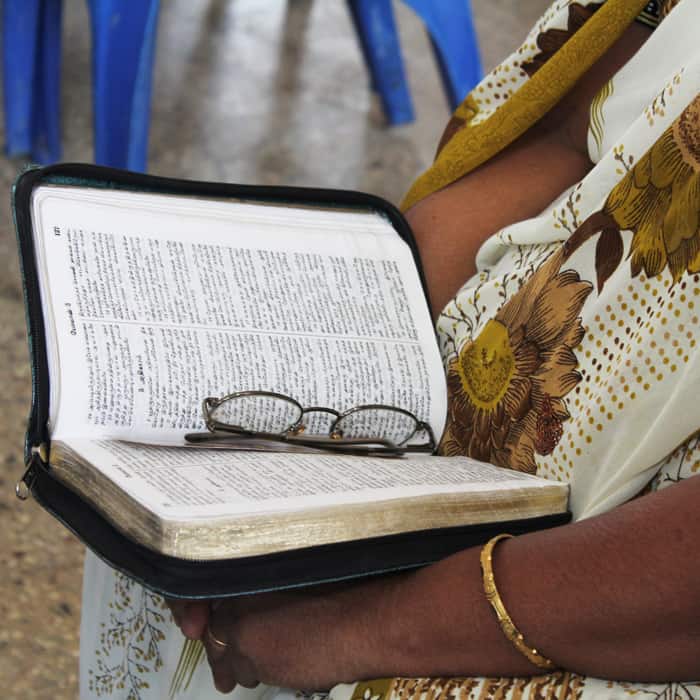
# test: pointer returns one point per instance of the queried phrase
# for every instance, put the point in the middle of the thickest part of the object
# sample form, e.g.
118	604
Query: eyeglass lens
384	422
259	413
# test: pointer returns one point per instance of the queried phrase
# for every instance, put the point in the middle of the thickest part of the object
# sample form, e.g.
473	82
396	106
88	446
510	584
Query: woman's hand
311	639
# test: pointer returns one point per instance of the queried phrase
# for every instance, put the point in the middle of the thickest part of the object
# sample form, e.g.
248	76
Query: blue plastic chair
31	75
451	29
123	41
124	37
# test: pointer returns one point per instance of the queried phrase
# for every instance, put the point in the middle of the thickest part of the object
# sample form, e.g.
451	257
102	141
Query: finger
219	655
247	681
215	643
177	609
224	679
189	615
194	618
229	667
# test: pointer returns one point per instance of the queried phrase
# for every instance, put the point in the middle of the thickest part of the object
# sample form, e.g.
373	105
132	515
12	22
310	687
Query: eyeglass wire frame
294	433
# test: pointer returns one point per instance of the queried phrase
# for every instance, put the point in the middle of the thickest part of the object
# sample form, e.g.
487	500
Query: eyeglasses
372	429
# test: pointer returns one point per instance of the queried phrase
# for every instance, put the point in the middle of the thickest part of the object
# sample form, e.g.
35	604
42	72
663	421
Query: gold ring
215	640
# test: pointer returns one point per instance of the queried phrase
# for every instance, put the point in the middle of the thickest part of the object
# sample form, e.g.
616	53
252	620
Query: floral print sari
571	354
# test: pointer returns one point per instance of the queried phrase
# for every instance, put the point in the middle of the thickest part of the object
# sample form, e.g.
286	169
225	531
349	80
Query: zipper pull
23	487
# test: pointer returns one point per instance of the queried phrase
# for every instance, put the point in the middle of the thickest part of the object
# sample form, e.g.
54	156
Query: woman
567	189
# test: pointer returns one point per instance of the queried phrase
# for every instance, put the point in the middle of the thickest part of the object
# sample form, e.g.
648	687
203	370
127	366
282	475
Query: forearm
614	597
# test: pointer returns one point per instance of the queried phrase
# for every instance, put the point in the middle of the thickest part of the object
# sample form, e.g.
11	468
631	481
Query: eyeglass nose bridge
300	426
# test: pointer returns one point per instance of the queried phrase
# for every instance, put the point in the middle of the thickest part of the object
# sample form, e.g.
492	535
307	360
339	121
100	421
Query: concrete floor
245	91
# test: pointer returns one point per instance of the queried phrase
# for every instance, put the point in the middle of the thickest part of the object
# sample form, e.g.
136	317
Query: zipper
23	487
36	435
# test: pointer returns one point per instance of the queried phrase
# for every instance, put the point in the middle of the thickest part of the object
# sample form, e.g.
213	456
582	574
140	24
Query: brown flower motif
659	200
552	40
507	386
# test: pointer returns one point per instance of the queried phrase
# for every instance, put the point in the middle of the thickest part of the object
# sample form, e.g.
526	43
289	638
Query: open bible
145	298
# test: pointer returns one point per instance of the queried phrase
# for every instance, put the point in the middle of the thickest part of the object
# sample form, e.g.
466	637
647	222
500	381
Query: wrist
378	619
441	623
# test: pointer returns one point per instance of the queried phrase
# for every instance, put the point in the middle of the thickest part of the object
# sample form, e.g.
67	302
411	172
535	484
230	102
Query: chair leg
46	122
451	29
376	28
124	34
20	29
357	24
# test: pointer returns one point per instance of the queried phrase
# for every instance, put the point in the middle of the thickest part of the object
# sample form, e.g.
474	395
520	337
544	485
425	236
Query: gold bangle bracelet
509	629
